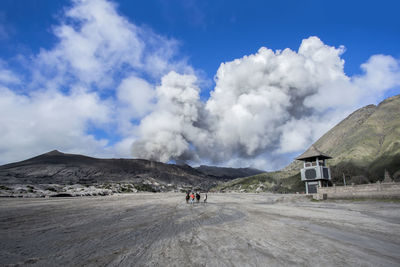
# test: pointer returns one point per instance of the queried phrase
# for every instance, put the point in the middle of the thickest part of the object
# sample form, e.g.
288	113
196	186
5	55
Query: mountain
68	169
365	143
363	146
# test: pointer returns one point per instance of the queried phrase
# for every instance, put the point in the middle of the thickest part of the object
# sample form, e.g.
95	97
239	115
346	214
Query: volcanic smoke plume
277	102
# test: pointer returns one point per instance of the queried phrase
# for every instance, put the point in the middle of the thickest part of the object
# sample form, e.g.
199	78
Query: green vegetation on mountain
366	143
276	182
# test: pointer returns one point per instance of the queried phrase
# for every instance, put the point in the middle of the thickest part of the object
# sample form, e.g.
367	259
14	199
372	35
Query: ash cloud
169	132
271	102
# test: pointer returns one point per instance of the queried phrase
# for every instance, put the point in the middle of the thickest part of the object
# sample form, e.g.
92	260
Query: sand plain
230	230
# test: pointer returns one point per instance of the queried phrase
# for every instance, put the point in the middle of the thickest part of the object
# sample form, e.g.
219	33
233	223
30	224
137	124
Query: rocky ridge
56	173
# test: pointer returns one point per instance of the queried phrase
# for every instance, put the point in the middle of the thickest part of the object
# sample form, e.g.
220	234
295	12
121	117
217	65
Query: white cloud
122	149
96	44
134	99
137	95
6	76
380	74
47	120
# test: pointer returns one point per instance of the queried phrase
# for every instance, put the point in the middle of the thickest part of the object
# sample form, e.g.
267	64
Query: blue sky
127	92
211	32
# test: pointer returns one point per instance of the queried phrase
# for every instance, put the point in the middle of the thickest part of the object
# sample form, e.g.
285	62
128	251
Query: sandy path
231	230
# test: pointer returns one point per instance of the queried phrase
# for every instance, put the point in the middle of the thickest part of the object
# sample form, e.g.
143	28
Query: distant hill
362	145
60	168
228	173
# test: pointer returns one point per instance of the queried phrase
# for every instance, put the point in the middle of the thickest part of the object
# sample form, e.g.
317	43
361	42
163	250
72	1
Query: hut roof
313	152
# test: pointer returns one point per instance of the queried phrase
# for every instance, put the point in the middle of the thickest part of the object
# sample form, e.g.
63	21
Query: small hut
314	173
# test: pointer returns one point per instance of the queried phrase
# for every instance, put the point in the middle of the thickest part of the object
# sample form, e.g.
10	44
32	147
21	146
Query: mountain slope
366	143
60	168
362	145
366	135
228	173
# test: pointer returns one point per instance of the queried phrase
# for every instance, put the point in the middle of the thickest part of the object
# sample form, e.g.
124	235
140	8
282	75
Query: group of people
191	197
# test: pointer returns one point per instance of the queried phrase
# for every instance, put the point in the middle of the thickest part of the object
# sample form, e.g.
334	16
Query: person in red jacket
192	198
